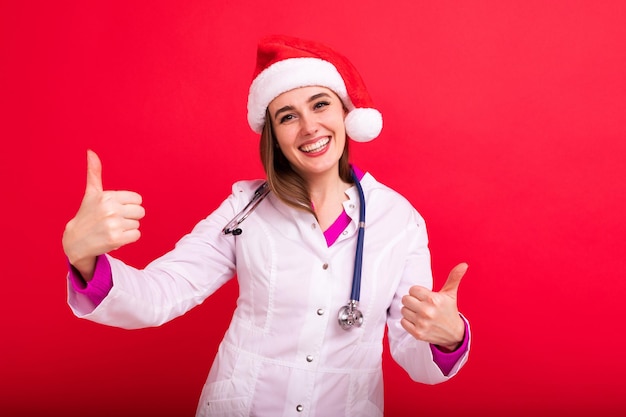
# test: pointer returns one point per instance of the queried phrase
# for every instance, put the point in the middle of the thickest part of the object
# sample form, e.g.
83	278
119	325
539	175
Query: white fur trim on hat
287	75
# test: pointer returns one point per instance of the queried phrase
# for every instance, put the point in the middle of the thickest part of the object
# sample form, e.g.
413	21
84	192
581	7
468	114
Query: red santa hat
285	63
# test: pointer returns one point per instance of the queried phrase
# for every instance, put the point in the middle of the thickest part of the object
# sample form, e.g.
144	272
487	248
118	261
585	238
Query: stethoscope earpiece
259	194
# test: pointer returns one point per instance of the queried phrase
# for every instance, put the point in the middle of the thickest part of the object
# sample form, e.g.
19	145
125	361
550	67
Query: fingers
115	233
420	293
122	206
420	302
451	286
105	221
94	181
434	316
409	327
128	224
419	322
133	212
120	215
129	236
126	197
94	173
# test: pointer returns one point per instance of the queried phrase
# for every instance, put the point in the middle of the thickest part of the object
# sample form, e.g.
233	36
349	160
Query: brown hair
286	183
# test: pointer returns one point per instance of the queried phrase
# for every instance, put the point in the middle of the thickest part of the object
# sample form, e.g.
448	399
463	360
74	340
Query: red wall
504	126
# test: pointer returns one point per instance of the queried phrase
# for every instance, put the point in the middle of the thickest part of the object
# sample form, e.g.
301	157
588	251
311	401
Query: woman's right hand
105	221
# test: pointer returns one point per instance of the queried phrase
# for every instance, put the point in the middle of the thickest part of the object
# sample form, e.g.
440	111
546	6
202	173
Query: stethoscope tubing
349	315
358	257
259	194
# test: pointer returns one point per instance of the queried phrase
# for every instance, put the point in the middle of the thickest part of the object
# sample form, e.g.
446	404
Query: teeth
313	147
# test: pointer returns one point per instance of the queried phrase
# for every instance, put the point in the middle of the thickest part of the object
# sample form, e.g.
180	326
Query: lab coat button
325	266
299	408
313	226
320	311
352	206
309	358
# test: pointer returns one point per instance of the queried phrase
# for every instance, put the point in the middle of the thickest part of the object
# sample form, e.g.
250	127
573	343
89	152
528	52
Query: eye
321	104
286	118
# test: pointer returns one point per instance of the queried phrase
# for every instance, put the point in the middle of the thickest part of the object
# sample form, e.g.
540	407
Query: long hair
283	181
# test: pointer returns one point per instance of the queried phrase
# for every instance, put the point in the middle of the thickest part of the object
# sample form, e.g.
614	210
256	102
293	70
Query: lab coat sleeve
415	356
201	262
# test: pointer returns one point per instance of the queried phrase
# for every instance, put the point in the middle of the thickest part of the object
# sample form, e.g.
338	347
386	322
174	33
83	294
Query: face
308	123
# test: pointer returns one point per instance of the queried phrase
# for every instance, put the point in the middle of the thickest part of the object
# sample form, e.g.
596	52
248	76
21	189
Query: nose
308	124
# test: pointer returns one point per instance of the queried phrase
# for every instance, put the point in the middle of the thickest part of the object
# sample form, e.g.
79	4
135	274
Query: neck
327	193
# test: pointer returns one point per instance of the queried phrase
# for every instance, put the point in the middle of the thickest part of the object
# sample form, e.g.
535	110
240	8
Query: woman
293	346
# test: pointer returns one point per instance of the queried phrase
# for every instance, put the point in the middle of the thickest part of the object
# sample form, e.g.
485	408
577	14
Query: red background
504	126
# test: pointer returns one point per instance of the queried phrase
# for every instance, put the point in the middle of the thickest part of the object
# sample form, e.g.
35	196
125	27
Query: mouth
316	146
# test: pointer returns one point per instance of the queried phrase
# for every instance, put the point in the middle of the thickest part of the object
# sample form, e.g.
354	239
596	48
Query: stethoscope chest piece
350	315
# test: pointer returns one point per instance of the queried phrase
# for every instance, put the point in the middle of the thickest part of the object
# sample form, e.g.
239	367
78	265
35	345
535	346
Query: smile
316	146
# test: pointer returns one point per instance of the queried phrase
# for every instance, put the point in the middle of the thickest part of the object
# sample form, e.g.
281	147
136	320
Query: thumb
454	279
94	172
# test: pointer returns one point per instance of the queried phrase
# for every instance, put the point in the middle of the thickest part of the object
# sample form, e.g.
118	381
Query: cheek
340	121
341	127
284	136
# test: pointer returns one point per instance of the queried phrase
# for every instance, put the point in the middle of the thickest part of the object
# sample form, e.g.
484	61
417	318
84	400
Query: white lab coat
284	353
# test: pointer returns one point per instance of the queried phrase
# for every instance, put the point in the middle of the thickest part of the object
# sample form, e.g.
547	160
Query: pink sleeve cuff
446	360
99	286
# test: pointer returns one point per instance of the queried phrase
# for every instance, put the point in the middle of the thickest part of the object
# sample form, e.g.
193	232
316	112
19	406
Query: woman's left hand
434	316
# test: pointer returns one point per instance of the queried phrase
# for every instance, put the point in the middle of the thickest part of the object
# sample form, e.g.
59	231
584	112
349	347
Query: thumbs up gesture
106	220
434	316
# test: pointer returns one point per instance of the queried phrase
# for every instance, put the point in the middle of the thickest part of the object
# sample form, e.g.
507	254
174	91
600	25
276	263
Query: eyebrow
289	107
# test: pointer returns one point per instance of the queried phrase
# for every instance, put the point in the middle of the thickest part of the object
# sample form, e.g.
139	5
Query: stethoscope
349	315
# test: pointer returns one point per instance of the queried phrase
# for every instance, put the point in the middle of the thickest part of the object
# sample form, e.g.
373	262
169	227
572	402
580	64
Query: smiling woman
293	139
286	350
504	125
309	130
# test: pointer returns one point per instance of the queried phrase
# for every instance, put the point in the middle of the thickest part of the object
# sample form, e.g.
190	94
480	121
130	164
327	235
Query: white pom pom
363	125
